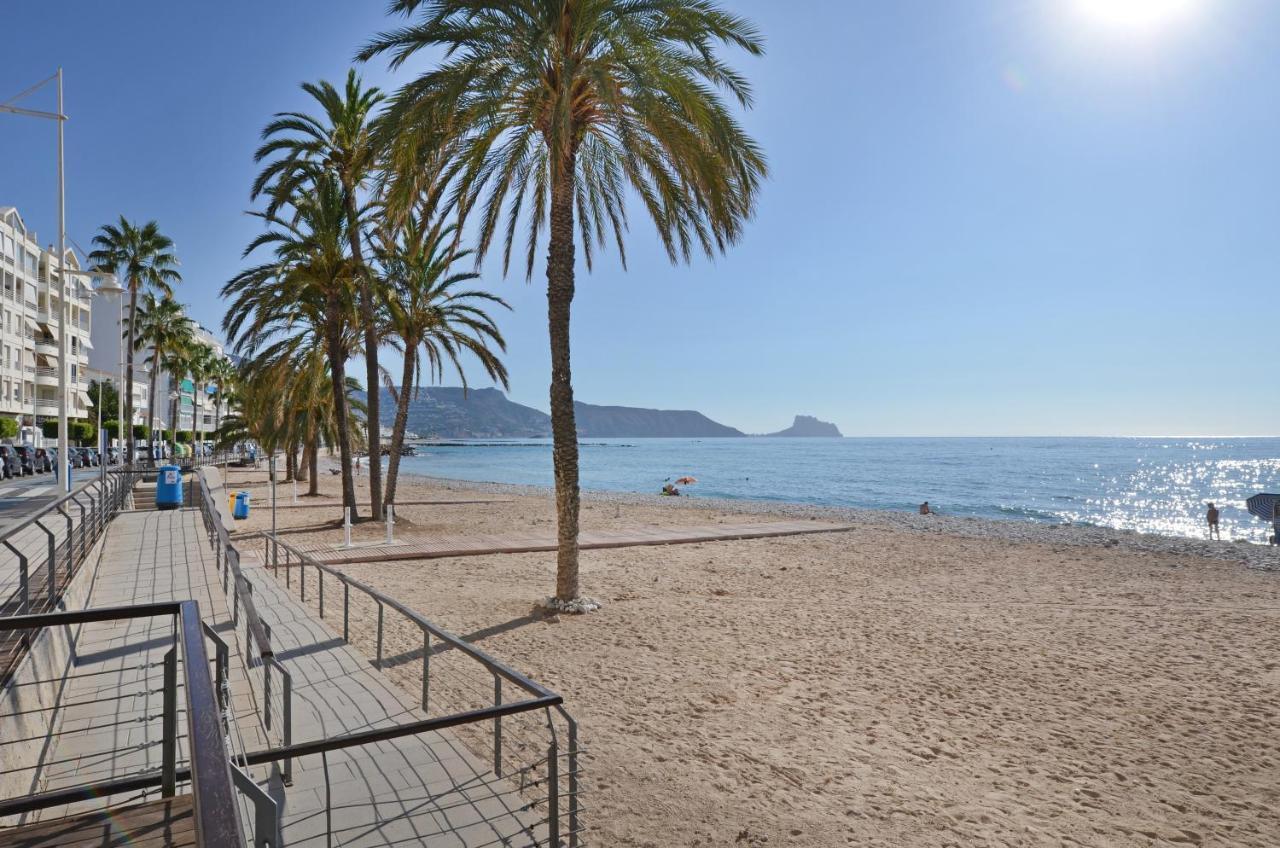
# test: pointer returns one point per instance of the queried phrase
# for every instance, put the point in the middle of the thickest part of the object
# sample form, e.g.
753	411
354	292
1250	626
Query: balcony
46	376
46	345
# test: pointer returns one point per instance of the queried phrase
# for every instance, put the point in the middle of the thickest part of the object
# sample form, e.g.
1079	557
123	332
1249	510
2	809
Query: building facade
29	309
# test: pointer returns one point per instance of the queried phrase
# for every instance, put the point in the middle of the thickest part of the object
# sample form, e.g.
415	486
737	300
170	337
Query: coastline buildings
29	306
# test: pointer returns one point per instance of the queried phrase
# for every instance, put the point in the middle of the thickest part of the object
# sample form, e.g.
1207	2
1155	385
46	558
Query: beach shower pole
346	527
391	523
275	557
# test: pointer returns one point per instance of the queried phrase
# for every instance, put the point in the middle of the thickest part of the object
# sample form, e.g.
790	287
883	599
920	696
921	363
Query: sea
1150	485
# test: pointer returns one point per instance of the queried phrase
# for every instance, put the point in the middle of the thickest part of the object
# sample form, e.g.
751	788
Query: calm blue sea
1150	485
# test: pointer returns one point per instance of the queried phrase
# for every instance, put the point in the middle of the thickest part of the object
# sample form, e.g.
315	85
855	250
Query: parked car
26	458
76	458
44	460
9	465
113	456
85	460
94	456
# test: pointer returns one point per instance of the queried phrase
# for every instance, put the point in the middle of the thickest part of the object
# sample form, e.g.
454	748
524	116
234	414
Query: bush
8	428
83	432
112	427
78	431
141	431
184	437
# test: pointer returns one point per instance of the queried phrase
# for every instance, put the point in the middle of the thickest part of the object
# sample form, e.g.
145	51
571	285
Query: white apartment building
29	307
105	358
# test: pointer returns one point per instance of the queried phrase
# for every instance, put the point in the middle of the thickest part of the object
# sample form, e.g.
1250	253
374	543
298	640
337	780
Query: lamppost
64	473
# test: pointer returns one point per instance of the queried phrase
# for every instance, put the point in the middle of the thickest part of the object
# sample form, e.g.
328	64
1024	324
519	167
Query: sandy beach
910	682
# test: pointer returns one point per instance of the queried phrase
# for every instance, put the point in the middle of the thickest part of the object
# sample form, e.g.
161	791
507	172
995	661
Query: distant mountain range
446	412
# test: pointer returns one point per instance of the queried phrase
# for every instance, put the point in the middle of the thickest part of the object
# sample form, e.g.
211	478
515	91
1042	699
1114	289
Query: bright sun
1137	14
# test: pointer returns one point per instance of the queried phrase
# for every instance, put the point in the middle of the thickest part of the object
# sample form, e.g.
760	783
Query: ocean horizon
1147	484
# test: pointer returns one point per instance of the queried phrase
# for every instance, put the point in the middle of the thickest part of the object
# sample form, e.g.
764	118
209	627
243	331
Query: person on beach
1212	517
924	509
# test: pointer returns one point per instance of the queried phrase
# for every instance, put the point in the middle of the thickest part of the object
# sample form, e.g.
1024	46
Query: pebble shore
1250	555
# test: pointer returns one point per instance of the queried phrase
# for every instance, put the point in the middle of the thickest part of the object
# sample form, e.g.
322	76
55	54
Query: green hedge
141	431
112	427
8	428
81	432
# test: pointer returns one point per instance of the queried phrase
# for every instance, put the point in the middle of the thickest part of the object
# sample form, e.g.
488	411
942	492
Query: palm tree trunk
314	489
290	461
402	419
338	377
301	471
564	431
127	424
151	406
370	357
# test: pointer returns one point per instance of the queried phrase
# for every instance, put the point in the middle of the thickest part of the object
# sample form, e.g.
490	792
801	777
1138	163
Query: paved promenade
423	789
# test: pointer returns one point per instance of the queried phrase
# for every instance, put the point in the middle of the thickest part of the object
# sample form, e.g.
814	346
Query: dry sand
882	686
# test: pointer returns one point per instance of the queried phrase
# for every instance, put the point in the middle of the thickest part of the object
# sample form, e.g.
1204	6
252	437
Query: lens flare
1137	14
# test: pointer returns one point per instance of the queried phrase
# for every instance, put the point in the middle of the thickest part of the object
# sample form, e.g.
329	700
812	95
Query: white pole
124	429
346	527
64	459
295	491
391	523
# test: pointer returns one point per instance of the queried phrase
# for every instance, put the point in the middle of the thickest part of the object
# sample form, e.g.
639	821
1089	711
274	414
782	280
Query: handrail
217	817
46	509
495	665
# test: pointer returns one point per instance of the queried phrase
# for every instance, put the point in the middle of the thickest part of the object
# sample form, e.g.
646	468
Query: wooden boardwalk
437	547
154	824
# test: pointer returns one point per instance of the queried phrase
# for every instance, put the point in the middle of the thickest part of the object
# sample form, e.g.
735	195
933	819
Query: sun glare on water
1137	15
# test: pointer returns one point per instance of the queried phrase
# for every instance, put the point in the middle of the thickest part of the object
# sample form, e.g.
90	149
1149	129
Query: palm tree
555	108
432	319
143	257
163	328
200	364
303	298
339	143
222	375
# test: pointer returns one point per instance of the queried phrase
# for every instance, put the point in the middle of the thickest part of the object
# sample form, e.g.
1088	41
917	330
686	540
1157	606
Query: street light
63	459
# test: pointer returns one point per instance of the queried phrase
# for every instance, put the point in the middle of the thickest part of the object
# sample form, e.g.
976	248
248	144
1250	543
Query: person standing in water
1212	517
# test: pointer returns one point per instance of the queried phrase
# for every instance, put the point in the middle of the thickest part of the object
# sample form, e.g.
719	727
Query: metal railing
208	772
531	741
543	762
276	701
49	548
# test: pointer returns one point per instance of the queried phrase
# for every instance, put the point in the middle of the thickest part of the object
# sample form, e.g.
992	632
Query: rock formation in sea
807	425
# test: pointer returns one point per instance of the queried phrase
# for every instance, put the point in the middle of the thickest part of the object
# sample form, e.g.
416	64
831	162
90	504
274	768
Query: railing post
266	692
553	794
346	611
302	579
320	577
426	667
288	725
84	540
24	587
53	561
169	744
379	663
573	781
497	728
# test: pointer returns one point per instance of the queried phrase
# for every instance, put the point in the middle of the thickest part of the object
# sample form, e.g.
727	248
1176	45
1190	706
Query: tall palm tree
555	108
200	365
163	329
222	376
433	319
143	257
303	297
339	143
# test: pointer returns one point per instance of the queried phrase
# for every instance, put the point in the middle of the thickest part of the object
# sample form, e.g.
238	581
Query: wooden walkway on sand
438	547
167	823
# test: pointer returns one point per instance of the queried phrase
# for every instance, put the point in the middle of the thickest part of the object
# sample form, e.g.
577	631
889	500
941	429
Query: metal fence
516	725
530	741
208	771
40	556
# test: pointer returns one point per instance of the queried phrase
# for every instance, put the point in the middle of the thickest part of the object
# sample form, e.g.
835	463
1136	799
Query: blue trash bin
242	506
169	487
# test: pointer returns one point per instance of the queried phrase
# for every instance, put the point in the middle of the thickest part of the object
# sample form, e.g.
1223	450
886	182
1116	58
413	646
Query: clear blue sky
990	217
